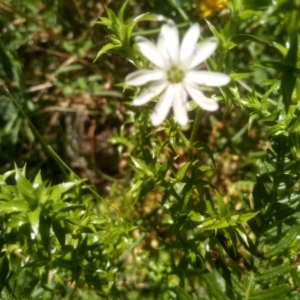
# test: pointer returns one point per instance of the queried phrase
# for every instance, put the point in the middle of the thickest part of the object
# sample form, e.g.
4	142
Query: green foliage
53	240
202	212
120	32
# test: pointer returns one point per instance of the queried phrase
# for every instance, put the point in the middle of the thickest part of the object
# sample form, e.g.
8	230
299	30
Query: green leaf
69	68
274	272
183	170
217	225
67	207
44	229
133	23
33	217
275	292
113	22
280	48
195	216
55	192
59	231
241	38
82	247
214	287
284	243
4	270
238	287
288	78
181	293
142	167
222	206
106	48
246	14
253	117
64	263
4	176
206	223
210	208
240	231
76	271
121	11
162	170
206	149
239	76
288	81
215	32
26	189
232	235
38	183
249	284
168	193
244	218
14	206
295	276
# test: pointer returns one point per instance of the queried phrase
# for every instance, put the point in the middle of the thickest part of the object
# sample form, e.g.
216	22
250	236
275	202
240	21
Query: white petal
163	50
163	106
169	33
203	101
138	78
150	51
151	92
203	52
189	41
208	78
179	105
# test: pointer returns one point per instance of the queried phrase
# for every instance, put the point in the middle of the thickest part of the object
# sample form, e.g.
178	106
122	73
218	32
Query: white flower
176	76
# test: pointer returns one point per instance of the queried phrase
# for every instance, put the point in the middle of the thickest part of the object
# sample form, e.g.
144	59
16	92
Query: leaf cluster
54	241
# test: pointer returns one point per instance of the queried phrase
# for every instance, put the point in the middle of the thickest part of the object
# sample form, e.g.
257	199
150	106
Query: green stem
180	10
61	162
249	287
62	165
279	168
249	89
194	132
221	59
184	139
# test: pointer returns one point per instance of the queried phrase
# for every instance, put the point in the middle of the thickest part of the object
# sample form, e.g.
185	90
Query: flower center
175	75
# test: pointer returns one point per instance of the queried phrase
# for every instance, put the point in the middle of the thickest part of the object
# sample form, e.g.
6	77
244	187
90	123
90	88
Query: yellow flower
207	8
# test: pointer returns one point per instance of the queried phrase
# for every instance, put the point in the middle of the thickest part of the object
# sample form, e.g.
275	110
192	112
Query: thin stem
184	139
276	179
249	287
180	10
221	59
194	132
62	165
248	88
58	159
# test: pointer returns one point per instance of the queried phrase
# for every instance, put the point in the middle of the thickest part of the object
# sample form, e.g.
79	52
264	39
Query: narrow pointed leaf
288	78
274	272
59	232
284	243
44	229
214	287
181	293
275	292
